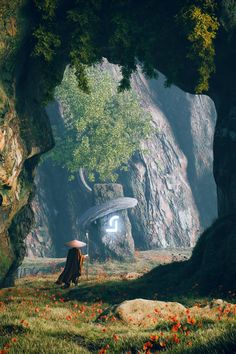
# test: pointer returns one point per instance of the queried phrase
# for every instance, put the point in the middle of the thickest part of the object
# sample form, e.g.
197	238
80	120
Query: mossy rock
4	264
4	105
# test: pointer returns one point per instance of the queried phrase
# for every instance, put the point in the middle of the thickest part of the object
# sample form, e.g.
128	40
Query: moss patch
4	263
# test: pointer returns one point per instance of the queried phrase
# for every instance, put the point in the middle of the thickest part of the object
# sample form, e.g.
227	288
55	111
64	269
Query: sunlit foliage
201	30
103	128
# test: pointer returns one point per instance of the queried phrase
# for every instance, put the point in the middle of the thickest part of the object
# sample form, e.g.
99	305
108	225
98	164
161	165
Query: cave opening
158	220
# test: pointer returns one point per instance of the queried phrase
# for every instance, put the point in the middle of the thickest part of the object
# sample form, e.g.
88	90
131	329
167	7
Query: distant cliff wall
173	177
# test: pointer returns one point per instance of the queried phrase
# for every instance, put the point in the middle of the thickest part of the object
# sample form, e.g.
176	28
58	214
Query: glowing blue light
113	223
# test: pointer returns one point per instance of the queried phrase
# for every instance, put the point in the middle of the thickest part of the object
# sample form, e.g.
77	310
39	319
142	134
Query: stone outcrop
149	313
57	205
18	158
172	178
39	241
142	311
25	132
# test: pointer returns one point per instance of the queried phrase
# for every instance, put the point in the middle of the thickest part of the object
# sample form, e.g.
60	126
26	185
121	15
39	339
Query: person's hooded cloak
73	267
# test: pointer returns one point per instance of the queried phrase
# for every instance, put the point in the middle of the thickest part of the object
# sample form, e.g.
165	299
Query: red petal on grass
147	345
154	338
115	337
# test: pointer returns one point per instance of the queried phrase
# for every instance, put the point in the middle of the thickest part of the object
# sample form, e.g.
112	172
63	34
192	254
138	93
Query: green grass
142	262
38	317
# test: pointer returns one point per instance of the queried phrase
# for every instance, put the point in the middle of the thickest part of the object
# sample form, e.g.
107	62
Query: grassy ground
143	262
38	317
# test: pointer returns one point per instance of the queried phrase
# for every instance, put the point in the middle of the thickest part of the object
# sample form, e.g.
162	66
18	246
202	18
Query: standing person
74	263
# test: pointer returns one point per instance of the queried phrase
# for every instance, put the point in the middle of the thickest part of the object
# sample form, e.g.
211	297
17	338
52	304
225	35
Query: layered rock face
57	205
13	189
171	178
19	157
25	133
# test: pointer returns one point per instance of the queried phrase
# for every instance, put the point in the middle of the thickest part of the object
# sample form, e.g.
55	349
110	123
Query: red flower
162	344
24	323
176	339
191	321
115	337
174	318
176	327
154	338
147	345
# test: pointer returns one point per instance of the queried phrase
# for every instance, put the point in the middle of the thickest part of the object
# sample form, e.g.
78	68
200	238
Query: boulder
144	312
149	313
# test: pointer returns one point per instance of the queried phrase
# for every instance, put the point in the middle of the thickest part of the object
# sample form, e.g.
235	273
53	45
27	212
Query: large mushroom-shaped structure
108	224
108	208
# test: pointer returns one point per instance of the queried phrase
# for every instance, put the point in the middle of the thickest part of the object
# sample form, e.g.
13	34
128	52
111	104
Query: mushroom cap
75	244
99	211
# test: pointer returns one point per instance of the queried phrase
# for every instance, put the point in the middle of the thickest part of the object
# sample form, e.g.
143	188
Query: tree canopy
102	129
176	37
129	31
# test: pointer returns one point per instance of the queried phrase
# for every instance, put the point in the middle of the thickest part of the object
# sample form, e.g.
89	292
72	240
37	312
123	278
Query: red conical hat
75	244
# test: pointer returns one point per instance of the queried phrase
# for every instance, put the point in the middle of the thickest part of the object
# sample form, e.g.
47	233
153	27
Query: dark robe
73	267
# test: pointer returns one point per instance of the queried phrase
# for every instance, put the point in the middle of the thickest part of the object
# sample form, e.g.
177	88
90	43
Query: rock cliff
171	178
21	143
25	131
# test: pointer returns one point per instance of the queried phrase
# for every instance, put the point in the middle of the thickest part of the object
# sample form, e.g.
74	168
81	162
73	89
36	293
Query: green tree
103	128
